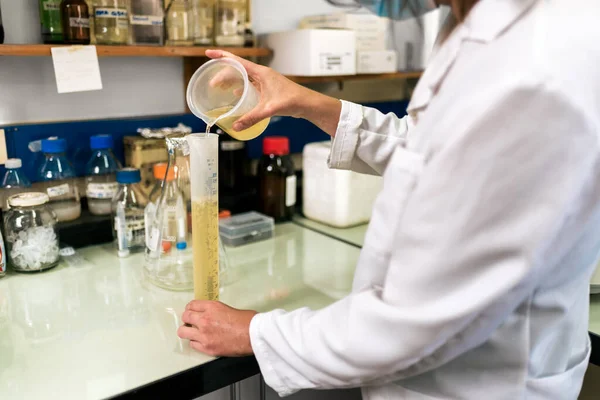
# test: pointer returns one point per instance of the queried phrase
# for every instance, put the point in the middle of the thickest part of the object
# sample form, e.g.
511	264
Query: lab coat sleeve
469	249
366	138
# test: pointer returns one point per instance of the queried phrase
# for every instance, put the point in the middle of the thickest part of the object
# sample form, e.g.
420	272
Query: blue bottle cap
181	246
128	175
54	146
100	142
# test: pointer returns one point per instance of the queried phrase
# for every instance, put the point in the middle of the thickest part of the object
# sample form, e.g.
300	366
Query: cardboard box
143	153
371	30
313	52
376	62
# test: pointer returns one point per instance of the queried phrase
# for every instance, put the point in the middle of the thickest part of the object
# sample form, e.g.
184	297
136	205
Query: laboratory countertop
100	330
354	236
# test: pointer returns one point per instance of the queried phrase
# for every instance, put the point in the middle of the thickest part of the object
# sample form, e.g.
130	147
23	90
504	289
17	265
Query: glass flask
128	213
147	22
31	235
59	175
111	22
203	15
179	23
230	22
101	175
14	180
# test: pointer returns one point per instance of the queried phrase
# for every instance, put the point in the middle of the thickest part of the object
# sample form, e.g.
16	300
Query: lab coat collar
487	20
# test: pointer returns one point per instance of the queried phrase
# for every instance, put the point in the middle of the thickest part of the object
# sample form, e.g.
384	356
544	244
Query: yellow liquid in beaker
227	124
205	237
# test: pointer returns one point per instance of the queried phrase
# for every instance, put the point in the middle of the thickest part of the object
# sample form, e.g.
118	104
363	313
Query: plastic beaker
204	164
220	92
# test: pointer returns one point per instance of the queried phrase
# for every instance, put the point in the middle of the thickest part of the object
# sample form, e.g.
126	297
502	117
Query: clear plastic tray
246	228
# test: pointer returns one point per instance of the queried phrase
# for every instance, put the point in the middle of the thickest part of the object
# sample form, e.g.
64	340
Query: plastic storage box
246	228
334	197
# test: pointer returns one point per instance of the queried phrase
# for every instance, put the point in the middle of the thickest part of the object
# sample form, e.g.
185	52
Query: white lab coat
473	281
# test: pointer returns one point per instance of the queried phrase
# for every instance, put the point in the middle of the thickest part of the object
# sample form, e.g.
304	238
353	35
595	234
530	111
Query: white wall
132	86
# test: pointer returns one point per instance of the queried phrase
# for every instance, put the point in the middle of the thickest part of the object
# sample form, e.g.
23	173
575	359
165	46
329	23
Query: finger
197	305
185	332
248	65
191	317
251	118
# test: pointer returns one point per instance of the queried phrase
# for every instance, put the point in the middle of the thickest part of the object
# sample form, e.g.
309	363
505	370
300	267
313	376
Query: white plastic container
376	62
313	52
333	197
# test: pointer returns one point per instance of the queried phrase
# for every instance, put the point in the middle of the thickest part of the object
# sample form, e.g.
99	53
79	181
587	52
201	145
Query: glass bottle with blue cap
128	213
59	175
101	171
15	181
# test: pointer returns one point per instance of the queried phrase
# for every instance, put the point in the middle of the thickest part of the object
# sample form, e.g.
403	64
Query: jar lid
160	170
13	163
100	142
29	199
54	146
128	175
277	145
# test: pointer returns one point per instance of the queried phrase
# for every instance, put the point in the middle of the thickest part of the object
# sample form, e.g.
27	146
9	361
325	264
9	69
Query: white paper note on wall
76	69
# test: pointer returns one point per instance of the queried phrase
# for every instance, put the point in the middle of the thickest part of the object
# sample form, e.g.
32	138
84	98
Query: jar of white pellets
31	235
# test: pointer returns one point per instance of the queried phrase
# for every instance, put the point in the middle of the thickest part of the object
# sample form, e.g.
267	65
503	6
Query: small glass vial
51	21
75	21
59	175
179	23
111	22
31	234
230	21
128	213
147	22
277	179
101	172
14	180
203	12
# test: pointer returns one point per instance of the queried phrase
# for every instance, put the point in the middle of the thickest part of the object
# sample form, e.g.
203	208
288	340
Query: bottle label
146	20
232	146
79	22
290	191
102	190
120	13
51	5
57	191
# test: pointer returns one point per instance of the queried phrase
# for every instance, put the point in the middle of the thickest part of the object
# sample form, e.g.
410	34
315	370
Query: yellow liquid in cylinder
227	124
205	237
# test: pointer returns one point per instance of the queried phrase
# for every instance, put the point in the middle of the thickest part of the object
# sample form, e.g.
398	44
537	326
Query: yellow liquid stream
227	124
205	237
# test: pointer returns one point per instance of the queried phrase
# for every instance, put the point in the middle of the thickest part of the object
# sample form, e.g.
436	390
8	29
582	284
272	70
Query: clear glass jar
147	22
230	22
14	180
101	172
31	235
111	22
203	12
179	23
128	213
59	175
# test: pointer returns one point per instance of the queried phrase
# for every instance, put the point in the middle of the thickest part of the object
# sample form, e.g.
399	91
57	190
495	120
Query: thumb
251	118
249	66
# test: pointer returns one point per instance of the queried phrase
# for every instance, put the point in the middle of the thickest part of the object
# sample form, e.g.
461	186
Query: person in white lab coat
473	281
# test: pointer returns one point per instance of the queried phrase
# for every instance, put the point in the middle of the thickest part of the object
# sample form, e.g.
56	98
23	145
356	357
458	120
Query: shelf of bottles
156	28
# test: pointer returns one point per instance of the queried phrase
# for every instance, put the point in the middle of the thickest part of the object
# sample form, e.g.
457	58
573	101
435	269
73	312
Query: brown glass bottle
276	180
75	18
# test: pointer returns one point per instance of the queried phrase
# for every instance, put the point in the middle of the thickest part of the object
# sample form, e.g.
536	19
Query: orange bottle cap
159	170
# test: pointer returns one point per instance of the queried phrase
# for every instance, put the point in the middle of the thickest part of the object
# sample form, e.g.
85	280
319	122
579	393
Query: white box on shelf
313	52
334	197
376	62
371	30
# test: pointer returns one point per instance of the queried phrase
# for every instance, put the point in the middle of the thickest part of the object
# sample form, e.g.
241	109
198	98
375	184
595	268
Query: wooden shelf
131	51
342	78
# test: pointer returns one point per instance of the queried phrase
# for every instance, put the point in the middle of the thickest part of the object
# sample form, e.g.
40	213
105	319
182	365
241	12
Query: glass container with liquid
230	21
128	213
203	12
50	19
147	22
75	21
101	170
59	175
179	20
14	180
220	92
111	22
